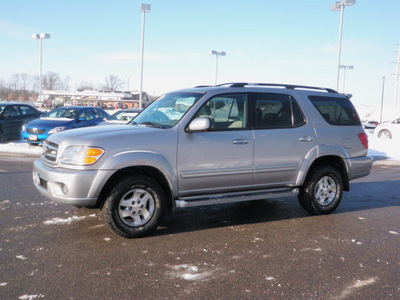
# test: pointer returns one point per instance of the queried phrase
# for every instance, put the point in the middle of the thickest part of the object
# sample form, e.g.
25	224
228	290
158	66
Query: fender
142	158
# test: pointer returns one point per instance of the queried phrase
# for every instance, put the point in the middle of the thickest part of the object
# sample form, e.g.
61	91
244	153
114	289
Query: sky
280	41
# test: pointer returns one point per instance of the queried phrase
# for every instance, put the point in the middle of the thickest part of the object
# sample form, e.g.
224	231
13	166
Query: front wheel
134	207
322	191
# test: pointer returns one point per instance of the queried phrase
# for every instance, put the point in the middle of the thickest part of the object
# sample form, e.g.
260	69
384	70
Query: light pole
383	90
144	8
339	6
344	77
40	37
217	53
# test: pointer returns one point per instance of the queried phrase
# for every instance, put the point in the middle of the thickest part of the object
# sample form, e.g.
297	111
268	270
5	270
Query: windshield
62	112
167	110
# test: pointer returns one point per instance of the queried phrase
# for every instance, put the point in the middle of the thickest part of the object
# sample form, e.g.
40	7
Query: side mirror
199	124
81	119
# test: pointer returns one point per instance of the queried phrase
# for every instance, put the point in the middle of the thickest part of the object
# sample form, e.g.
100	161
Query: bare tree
84	85
52	81
24	82
113	82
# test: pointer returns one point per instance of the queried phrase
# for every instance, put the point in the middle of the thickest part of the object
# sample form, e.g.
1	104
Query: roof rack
287	86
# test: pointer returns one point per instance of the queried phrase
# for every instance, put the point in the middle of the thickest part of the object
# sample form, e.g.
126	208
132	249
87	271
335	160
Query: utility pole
397	77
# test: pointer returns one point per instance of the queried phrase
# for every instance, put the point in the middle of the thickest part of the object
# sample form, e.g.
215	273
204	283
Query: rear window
336	111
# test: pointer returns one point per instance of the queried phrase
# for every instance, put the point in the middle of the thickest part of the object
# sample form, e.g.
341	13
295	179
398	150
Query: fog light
64	189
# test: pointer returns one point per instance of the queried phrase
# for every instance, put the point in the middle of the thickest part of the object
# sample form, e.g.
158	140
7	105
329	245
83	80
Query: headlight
56	129
81	156
23	127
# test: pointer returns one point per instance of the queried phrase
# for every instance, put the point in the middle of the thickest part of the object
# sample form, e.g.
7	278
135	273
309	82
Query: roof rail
202	86
287	86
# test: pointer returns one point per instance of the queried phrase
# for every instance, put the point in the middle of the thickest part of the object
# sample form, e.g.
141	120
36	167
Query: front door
220	159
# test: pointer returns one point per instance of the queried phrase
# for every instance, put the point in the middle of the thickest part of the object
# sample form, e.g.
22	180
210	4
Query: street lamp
344	77
40	37
144	8
217	53
339	6
383	90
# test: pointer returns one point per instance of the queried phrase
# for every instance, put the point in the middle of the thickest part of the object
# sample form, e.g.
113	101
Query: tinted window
86	113
336	111
27	110
226	112
11	111
98	114
277	111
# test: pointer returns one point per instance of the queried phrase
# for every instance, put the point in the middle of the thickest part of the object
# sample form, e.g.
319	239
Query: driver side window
226	112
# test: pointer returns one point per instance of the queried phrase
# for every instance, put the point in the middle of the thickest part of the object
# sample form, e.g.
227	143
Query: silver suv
210	145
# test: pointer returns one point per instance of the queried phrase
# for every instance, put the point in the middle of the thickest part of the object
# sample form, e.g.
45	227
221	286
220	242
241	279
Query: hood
103	135
48	123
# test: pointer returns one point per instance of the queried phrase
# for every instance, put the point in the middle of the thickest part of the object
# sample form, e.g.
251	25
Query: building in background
103	99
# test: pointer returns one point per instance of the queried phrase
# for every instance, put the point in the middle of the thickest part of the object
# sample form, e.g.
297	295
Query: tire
322	191
134	207
385	134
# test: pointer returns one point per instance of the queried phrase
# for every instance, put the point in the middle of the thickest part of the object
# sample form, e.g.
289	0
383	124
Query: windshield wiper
152	124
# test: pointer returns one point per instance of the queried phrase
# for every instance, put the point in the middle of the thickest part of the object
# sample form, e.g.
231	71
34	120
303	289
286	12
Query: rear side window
336	111
277	111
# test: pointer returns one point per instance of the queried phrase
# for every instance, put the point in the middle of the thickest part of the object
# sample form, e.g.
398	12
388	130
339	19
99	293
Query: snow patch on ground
189	272
30	297
69	220
358	284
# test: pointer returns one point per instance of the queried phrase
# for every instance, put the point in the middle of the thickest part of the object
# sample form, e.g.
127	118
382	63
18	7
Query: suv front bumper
75	187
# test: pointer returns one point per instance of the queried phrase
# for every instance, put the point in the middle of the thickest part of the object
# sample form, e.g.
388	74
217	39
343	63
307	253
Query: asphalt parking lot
269	249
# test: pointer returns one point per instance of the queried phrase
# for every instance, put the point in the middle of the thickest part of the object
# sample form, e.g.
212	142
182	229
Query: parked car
59	119
207	146
388	130
13	116
122	116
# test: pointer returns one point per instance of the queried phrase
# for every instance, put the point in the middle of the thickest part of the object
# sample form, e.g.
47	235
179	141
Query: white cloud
15	30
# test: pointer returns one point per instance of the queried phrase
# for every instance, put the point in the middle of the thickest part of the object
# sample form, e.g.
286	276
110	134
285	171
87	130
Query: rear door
220	159
28	113
282	139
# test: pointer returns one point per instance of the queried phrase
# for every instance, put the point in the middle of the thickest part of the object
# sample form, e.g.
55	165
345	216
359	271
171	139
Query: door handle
306	139
240	141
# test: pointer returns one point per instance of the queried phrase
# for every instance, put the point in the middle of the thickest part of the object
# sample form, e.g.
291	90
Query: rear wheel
322	191
385	134
134	207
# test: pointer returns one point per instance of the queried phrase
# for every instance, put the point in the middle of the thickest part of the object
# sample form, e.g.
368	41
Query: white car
122	116
388	130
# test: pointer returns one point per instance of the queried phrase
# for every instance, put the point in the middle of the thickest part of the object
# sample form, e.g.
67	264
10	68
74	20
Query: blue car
60	119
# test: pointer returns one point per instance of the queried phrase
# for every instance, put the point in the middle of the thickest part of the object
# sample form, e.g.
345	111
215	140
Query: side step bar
235	197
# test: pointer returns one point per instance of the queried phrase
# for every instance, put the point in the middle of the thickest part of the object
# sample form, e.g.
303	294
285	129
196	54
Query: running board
235	197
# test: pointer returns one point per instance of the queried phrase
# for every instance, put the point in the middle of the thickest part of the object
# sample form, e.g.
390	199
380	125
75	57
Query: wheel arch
334	161
148	171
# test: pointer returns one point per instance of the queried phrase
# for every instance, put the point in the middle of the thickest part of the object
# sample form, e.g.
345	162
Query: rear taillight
363	139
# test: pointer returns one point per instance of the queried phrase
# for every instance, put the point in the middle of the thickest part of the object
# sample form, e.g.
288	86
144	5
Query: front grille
36	131
50	151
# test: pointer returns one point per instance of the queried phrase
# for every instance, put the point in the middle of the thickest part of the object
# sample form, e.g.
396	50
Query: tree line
25	88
